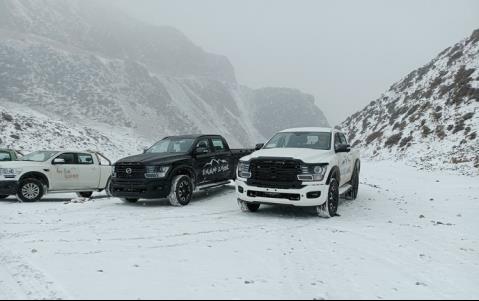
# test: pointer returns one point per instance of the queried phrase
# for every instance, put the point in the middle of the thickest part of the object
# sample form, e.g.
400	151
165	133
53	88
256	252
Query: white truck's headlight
313	172
156	172
10	171
244	170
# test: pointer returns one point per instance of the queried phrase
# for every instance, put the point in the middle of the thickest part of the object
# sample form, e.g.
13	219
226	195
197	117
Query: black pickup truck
175	167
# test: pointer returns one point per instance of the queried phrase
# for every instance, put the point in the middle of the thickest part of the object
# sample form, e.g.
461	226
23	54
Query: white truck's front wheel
330	208
30	190
248	207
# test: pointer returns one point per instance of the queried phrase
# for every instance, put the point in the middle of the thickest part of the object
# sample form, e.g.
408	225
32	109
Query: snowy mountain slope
21	131
430	118
88	62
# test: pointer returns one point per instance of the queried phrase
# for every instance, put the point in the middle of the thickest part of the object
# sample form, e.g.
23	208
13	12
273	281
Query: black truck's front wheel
181	191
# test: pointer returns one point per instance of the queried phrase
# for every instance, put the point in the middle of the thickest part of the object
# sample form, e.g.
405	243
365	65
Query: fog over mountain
86	63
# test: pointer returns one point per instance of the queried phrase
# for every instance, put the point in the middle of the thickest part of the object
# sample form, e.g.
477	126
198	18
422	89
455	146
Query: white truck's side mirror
59	161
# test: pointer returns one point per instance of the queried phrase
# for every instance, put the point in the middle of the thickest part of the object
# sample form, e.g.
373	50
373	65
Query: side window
4	156
343	138
203	143
85	159
68	157
218	145
337	140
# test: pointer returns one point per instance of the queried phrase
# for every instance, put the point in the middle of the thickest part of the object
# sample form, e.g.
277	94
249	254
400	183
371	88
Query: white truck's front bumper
308	196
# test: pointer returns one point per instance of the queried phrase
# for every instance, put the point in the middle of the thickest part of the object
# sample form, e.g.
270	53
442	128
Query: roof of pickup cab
308	130
191	136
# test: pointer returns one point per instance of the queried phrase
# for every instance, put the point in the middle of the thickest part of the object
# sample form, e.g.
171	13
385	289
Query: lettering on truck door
64	175
202	162
221	165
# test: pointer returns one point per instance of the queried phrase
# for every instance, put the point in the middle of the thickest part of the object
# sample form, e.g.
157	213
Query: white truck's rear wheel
330	208
248	207
355	184
30	190
181	191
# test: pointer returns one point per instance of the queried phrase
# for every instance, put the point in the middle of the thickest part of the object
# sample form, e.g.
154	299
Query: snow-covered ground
411	234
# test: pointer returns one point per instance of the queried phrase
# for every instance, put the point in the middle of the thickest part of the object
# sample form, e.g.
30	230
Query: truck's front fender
334	173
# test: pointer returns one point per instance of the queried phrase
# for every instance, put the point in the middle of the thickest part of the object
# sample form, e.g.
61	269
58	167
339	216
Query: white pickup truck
39	173
308	167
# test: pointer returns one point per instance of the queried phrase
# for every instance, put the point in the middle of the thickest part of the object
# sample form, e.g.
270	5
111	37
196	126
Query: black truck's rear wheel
3	197
181	191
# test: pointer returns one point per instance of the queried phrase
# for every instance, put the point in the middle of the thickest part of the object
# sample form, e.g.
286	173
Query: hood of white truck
21	164
304	154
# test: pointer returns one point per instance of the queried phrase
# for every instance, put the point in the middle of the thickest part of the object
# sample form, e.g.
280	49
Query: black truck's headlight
313	172
244	170
156	172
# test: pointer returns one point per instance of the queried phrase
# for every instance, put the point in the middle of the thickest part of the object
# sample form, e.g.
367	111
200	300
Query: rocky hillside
87	63
430	118
20	131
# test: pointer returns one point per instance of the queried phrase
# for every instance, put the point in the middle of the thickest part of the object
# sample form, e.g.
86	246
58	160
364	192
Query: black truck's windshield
172	145
301	140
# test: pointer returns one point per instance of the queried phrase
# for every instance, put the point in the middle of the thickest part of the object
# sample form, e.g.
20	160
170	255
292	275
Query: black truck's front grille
275	173
130	171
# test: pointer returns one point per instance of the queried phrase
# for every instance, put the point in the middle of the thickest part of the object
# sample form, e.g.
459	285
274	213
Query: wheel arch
334	173
183	170
36	175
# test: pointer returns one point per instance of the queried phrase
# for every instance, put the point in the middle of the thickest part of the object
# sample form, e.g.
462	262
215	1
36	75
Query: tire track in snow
21	280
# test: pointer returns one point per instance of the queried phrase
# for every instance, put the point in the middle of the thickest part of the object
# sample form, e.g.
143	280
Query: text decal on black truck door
215	166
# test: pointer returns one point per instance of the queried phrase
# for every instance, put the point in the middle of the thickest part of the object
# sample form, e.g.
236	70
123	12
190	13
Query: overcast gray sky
345	53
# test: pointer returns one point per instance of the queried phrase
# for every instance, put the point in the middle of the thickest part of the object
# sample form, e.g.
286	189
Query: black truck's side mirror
343	148
259	146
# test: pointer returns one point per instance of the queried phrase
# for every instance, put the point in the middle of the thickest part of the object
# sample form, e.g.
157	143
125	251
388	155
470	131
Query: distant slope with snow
430	118
30	131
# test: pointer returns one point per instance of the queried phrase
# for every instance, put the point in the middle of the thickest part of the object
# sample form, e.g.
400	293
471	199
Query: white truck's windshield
172	145
41	156
316	140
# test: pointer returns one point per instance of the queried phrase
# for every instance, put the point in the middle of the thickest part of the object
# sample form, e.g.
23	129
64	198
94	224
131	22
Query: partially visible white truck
42	172
308	167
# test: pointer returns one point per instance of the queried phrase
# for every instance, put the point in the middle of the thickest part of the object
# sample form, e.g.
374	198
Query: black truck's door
203	156
224	164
